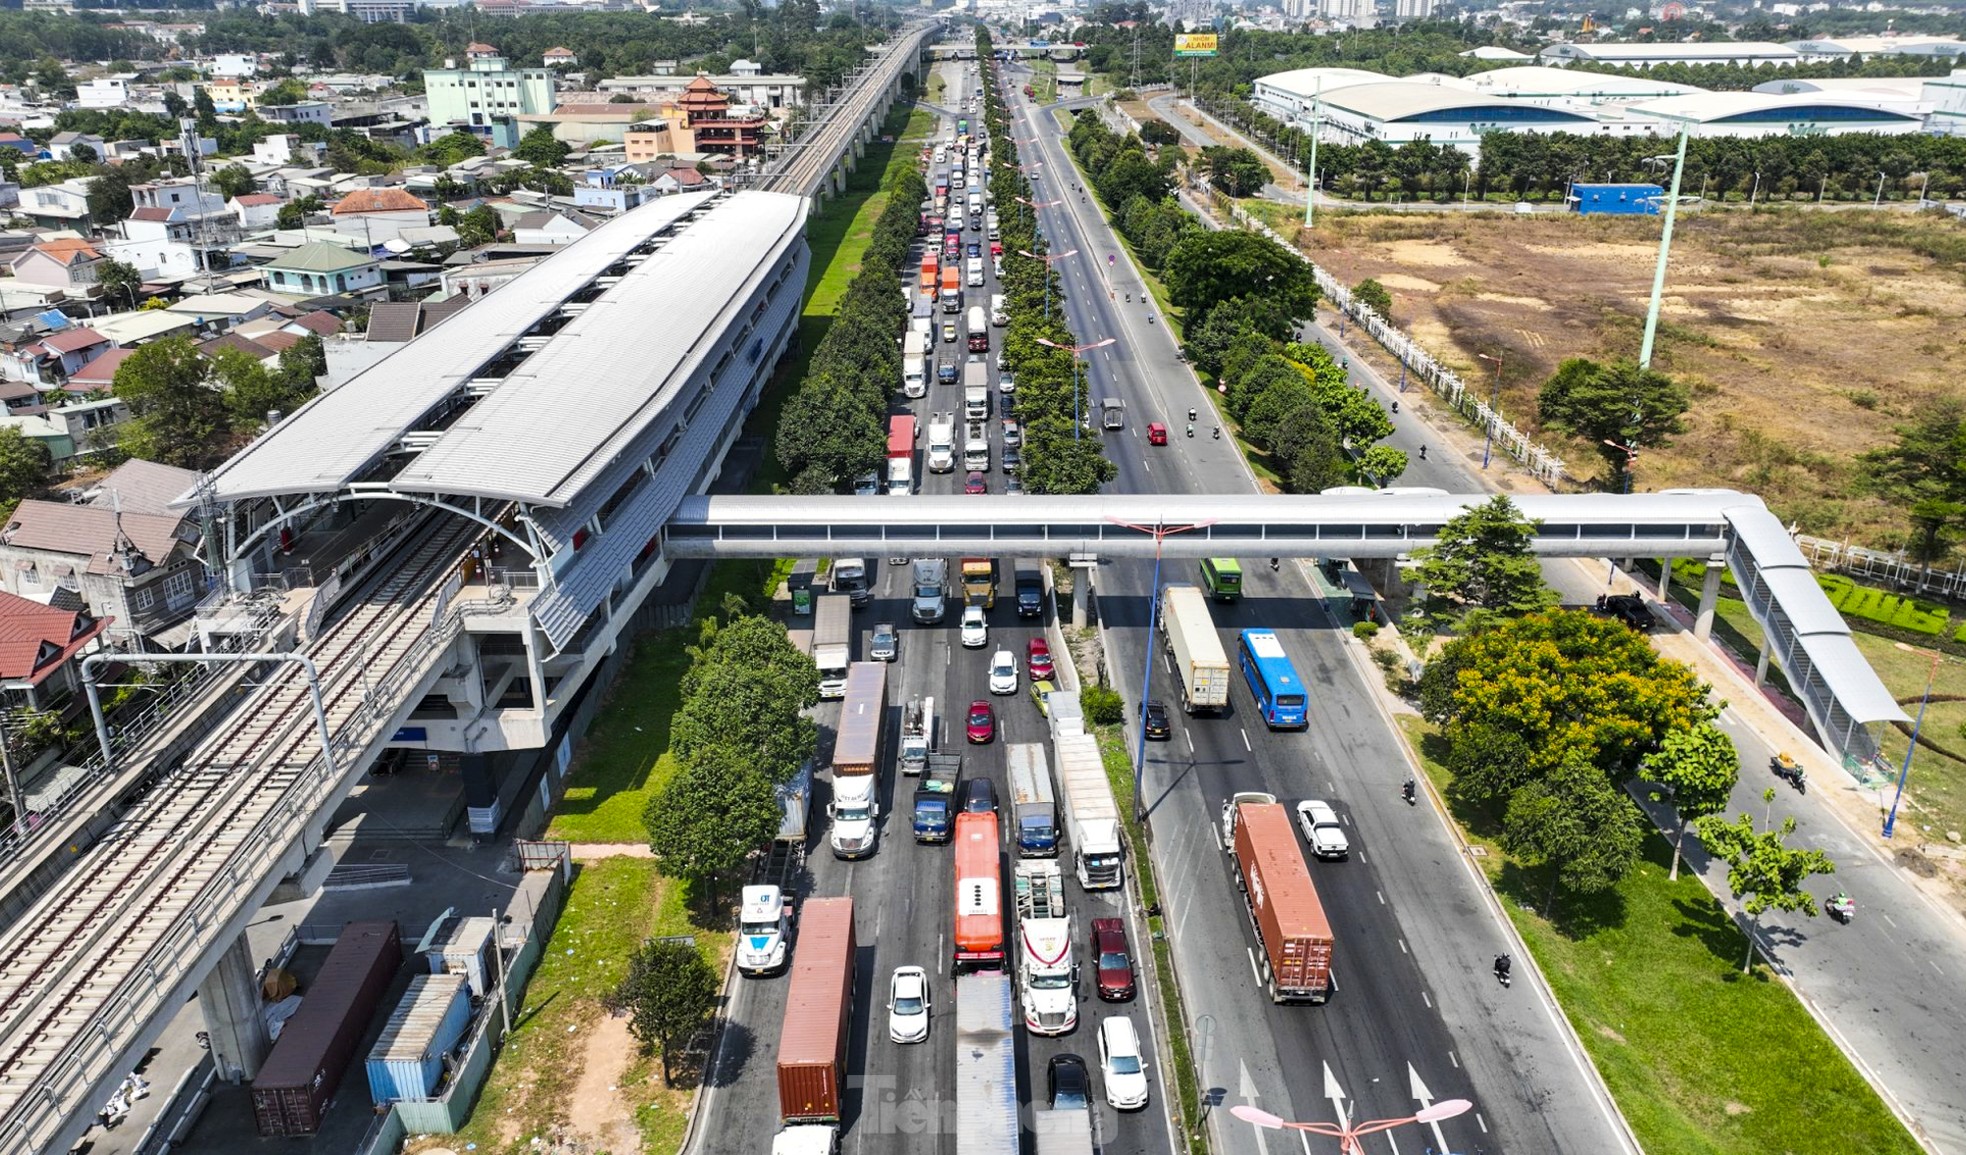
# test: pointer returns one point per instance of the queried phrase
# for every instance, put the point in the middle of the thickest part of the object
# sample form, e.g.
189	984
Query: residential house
256	211
377	215
28	149
80	425
99	375
559	58
654	137
159	242
69	263
179	193
64	205
485	91
284	148
121	554
615	189
233	65
317	269
127	330
218	312
678	179
46	363
302	112
38	647
547	227
230	93
64	144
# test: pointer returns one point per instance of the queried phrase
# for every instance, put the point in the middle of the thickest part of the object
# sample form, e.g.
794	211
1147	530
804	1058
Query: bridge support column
1761	663
1081	598
1665	578
1709	594
230	999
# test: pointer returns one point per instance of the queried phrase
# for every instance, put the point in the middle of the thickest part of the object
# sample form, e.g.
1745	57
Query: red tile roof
279	340
35	639
378	200
68	250
89	533
259	199
151	213
319	322
99	373
73	340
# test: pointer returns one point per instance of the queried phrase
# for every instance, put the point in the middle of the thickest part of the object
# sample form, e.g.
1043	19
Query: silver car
885	645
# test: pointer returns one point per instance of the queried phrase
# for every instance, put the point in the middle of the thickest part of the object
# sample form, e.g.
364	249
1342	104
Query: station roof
1399	100
1736	107
1529	82
1690	51
337	436
1309	82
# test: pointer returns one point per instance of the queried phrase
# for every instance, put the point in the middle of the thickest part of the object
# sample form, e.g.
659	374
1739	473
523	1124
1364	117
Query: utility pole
1665	247
1310	174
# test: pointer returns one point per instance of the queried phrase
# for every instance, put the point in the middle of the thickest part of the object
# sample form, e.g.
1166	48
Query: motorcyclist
1218	433
1423	453
1502	967
1191	416
1191	429
1275	564
1395	407
1406	790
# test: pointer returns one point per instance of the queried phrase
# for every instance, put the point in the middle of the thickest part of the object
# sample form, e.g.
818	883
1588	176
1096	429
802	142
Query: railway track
200	840
805	168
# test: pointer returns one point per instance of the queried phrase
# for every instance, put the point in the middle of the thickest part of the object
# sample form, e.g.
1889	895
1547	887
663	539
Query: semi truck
980	582
812	1040
979	893
976	447
931	265
942	443
931	585
952	288
832	637
1294	961
917	734
976	391
1028	581
766	914
901	454
935	798
1046	974
1067	1132
1033	812
856	808
1091	815
914	363
1201	669
986	1067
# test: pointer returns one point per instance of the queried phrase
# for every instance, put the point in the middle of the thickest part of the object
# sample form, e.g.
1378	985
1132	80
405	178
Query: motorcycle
1841	908
1502	969
1395	407
1407	792
1790	771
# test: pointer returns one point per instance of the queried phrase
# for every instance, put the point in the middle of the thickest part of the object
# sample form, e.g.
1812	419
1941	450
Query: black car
1629	609
1069	1083
1157	727
979	796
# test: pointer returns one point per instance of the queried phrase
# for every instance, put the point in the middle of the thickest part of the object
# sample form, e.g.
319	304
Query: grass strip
1119	770
1699	1057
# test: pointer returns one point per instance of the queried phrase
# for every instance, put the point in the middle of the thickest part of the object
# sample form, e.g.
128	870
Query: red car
975	483
982	721
1115	964
1156	433
1037	659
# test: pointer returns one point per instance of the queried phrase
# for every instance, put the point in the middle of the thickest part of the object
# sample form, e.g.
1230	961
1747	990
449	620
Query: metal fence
1885	567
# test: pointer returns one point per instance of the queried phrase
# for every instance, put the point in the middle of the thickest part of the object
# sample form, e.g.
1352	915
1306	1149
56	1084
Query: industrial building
1746	53
1863	47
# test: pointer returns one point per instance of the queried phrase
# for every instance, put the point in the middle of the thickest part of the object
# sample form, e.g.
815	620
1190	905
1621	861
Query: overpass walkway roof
1805	632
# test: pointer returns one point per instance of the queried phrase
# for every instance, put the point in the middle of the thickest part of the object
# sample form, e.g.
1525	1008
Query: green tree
176	417
453	147
477	227
712	813
119	280
109	198
1700	766
203	108
1206	268
287	91
1576	824
1489	763
1382	464
234	180
1371	292
1614	406
1924	474
301	365
1238	172
1763	871
748	694
1484	559
669	992
24	465
293	214
540	148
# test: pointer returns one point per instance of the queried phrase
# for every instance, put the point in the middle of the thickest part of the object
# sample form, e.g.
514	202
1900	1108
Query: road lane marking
1191	742
1400	941
1451	1059
1425	998
1245	739
1252	965
1481	1122
1381	896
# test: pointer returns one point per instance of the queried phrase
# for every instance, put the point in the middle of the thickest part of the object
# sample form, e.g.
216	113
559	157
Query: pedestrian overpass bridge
1728	530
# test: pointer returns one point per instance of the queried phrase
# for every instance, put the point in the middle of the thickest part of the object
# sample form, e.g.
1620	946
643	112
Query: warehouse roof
1529	82
1743	107
1308	82
1399	100
1692	51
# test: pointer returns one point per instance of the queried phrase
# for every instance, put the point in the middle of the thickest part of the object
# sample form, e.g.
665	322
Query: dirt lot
1805	335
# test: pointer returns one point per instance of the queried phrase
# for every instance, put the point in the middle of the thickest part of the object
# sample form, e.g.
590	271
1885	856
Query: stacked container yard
300	1076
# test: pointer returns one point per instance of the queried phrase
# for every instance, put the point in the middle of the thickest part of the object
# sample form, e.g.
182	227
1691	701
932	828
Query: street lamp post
1348	1134
1665	247
1878	201
1891	819
1078	422
1161	531
1488	426
1047	270
1310	173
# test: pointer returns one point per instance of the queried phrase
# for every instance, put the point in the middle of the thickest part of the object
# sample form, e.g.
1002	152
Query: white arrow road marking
1336	1094
1425	1098
1246	1087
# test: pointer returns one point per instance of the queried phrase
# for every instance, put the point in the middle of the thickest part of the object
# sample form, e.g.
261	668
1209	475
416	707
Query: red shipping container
818	1014
300	1076
1289	919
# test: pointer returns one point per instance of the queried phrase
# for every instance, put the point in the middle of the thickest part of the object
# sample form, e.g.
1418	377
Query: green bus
1223	578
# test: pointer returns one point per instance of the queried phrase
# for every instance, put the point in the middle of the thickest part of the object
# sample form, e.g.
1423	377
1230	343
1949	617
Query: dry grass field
1805	336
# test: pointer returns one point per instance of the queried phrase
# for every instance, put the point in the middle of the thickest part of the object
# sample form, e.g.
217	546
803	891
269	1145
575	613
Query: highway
1417	1013
902	1097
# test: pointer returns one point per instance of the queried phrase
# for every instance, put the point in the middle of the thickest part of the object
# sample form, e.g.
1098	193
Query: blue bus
1273	681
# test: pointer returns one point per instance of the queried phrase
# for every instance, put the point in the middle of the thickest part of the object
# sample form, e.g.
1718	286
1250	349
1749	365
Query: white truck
763	931
976	391
813	1139
917	734
914	364
900	476
1201	668
941	443
976	447
832	627
973	268
998	317
1046	974
931	587
1091	815
1062	1132
1033	812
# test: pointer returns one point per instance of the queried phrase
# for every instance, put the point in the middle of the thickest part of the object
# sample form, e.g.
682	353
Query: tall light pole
1161	532
1077	351
1665	247
1878	201
1348	1134
1488	426
1047	272
1310	173
1891	819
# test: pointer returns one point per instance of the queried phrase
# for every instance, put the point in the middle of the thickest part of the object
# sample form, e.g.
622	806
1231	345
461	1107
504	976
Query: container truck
914	371
921	318
856	808
935	798
1201	668
901	432
976	447
979	893
1046	974
812	1040
931	265
931	583
303	1070
850	578
1295	959
914	343
976	390
765	915
986	1067
980	582
1067	1132
1033	813
1028	581
917	733
952	288
942	443
1090	813
832	636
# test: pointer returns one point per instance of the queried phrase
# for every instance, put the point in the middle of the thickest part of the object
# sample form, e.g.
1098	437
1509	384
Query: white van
973	268
998	317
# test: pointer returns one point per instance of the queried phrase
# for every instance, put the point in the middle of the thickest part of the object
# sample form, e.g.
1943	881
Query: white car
1120	1063
975	631
1322	829
1003	672
1006	382
907	1005
867	485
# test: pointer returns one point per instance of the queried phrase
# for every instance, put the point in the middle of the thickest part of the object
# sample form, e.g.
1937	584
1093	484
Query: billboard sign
1194	44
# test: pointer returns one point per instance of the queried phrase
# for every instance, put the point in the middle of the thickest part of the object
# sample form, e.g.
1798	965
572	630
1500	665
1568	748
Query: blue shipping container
1631	199
407	1061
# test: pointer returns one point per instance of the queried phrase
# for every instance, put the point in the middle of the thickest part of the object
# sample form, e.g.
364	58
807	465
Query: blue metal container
407	1062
